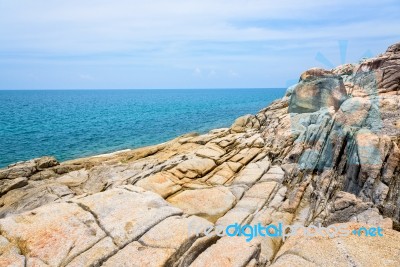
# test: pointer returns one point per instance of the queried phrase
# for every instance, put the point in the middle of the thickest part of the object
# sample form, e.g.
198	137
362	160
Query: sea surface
70	124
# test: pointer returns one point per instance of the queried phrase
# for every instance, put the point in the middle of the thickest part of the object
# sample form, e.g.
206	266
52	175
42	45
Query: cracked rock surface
327	153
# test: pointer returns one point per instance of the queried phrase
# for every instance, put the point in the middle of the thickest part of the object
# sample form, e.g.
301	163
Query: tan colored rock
45	162
275	173
352	250
228	251
228	140
252	172
293	201
196	249
293	261
222	173
254	140
194	167
137	255
315	73
240	124
74	178
126	215
43	175
209	203
203	139
19	169
32	196
261	190
369	152
95	255
176	233
160	183
277	201
211	151
10	255
10	184
100	177
242	211
353	112
245	155
55	233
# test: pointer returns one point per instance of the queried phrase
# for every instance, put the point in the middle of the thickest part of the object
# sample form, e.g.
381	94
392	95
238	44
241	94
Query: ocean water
78	123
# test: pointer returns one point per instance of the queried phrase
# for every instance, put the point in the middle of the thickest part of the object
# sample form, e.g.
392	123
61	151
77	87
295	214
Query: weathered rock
160	183
10	255
317	88
193	168
95	255
252	172
223	173
211	151
275	173
126	215
209	203
46	162
74	178
135	254
245	155
10	184
20	169
228	251
42	175
351	250
240	124
32	196
54	234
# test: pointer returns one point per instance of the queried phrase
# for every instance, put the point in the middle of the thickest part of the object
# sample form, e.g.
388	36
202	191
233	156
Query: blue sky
72	44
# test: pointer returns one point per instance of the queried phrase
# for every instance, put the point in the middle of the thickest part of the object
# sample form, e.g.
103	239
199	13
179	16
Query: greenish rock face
317	89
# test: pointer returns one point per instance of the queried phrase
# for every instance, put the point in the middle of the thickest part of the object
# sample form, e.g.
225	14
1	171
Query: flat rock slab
352	250
211	151
275	173
252	173
246	155
242	210
175	232
96	254
209	203
160	183
194	168
126	215
74	178
54	234
227	252
137	255
222	173
31	197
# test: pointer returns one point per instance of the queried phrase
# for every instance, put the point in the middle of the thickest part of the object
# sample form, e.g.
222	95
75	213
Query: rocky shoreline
327	153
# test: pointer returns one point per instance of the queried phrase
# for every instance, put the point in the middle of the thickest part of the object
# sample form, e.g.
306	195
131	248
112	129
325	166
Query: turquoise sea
70	124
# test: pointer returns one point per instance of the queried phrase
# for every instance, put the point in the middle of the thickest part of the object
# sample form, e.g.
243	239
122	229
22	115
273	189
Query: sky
184	44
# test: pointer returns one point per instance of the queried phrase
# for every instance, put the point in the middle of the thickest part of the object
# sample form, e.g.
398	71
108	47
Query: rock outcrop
327	154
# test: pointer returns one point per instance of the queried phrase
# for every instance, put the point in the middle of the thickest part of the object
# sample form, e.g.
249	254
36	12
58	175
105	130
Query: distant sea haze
70	124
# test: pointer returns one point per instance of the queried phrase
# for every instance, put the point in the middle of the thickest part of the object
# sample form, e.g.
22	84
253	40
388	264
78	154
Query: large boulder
316	89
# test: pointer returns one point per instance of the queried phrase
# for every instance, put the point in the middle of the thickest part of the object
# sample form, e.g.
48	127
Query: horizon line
104	89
